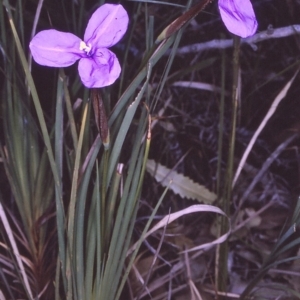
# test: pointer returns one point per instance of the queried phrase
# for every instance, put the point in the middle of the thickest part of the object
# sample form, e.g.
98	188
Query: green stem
223	248
103	197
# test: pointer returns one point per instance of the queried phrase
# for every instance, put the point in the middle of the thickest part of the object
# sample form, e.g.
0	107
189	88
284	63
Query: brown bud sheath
100	116
180	21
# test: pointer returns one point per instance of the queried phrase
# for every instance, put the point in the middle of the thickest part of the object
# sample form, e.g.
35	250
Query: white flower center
87	48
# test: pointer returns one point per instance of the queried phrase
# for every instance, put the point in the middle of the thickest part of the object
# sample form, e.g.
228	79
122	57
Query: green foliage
68	209
68	200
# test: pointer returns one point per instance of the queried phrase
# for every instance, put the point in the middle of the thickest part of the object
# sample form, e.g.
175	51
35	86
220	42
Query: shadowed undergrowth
75	215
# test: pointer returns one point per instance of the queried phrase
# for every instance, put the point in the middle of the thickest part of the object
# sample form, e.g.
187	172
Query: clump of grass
76	215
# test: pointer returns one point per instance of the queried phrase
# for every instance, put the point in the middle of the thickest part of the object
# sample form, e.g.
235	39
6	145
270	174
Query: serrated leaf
180	184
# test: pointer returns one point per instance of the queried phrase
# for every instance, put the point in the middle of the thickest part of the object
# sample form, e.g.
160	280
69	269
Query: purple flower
238	16
98	66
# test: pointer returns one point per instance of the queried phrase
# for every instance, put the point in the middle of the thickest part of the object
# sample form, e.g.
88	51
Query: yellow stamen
83	46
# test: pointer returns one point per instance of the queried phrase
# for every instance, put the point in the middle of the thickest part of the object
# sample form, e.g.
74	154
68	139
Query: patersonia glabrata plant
238	17
98	66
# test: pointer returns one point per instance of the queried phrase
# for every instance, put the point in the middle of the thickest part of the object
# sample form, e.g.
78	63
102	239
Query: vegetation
193	191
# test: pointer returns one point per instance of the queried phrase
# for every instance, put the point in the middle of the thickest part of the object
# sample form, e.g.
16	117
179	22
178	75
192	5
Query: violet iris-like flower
238	16
98	66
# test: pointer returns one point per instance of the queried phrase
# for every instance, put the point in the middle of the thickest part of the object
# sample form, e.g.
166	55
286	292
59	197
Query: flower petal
238	16
102	69
54	48
106	26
